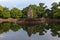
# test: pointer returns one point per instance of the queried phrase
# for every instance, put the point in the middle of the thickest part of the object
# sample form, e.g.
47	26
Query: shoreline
8	20
23	19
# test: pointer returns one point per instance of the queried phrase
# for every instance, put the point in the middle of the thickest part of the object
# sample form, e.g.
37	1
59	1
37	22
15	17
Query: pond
43	31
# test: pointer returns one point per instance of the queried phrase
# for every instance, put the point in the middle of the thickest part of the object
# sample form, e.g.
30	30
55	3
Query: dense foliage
38	11
6	13
16	13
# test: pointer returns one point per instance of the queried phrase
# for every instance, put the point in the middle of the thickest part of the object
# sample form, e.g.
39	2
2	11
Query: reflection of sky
22	35
23	3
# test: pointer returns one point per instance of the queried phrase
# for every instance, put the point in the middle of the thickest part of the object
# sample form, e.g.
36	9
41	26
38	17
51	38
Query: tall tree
41	10
24	11
55	10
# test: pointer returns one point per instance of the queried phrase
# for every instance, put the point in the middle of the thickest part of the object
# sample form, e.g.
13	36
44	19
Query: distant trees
16	13
41	10
38	11
1	10
6	13
55	10
24	11
13	13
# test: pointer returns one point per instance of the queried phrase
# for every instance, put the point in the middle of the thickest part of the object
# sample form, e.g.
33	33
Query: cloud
7	0
2	36
23	3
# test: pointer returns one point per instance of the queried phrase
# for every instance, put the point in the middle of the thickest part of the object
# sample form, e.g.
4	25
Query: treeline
38	11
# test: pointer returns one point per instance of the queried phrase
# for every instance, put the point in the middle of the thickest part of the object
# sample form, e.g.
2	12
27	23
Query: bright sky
23	3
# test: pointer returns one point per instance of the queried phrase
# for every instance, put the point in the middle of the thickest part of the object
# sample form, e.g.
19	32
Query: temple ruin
30	13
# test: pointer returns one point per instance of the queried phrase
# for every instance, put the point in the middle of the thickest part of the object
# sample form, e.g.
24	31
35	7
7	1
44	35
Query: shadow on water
32	29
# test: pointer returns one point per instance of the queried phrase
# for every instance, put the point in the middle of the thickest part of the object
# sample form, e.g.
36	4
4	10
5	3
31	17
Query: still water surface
44	31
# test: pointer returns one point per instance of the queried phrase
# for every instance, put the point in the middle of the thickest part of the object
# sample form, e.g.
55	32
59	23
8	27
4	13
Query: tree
6	13
48	13
1	9
4	27
41	10
16	13
15	27
24	11
55	10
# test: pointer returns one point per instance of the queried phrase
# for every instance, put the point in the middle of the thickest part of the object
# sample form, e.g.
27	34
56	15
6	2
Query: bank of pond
30	20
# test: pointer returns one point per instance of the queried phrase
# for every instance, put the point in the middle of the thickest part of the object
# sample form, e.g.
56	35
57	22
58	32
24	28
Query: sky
24	3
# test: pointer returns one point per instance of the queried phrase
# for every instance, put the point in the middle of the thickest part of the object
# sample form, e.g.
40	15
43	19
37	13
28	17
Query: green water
44	31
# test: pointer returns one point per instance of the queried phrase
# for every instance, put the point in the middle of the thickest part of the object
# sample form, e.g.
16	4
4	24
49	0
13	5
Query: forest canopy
38	11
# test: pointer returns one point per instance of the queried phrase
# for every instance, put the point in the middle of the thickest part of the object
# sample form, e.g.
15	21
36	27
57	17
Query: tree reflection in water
41	28
55	29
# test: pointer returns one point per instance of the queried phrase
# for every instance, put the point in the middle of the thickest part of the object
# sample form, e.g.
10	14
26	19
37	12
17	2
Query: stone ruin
30	13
